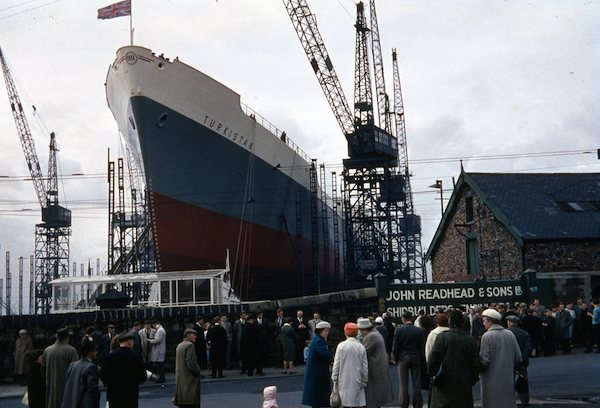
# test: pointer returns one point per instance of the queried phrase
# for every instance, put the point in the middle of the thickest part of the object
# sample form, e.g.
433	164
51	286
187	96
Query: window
572	206
472	256
469	209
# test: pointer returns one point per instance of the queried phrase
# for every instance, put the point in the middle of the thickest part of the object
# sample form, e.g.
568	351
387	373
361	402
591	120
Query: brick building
497	225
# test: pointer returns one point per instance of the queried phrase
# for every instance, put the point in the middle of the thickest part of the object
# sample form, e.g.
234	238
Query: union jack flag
120	9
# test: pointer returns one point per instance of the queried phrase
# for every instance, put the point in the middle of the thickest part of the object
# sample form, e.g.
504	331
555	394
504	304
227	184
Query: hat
364	323
125	336
323	325
492	314
87	347
456	319
350	329
188	331
513	318
386	315
22	331
378	320
62	333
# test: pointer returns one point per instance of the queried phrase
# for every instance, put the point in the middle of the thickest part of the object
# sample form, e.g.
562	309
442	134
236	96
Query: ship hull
218	180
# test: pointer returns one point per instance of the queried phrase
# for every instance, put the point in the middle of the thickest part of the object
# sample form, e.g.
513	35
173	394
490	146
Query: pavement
10	390
15	390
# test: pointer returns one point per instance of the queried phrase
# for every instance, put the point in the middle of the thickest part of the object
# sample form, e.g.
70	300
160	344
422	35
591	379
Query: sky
482	81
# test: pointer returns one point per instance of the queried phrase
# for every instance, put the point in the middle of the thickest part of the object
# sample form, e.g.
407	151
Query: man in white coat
158	348
499	355
350	369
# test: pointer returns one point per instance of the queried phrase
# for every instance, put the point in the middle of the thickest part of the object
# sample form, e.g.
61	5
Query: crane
374	188
52	234
411	231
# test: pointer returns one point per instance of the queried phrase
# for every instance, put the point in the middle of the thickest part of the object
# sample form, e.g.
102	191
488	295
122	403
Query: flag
120	9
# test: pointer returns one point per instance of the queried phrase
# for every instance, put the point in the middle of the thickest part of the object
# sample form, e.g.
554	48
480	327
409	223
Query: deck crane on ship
52	234
382	231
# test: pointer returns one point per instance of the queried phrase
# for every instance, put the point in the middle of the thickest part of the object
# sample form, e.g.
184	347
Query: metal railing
276	132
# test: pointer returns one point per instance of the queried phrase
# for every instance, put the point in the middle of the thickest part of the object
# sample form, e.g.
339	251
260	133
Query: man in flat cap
525	346
499	356
55	361
187	372
81	389
122	373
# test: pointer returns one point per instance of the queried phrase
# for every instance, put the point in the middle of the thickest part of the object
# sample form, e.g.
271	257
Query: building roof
534	206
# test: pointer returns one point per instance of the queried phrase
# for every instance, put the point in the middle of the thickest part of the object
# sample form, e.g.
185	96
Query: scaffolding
129	238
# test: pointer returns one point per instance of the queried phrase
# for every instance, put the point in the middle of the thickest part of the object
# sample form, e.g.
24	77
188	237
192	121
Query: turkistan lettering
227	132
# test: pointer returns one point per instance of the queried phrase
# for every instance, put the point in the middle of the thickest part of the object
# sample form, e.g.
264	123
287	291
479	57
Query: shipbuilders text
227	132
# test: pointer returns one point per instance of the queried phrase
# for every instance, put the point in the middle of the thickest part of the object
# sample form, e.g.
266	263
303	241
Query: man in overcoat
81	389
216	339
525	346
263	338
187	372
564	324
104	343
122	373
499	355
458	353
379	386
300	324
200	343
226	324
250	345
408	341
23	345
146	333
55	361
238	325
158	350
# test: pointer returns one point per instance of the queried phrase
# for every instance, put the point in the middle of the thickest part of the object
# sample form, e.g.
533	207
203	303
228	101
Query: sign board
431	297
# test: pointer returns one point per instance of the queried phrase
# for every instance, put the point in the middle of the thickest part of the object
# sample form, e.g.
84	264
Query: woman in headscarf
350	369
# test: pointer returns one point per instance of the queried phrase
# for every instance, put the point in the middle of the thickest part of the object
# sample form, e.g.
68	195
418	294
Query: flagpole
131	24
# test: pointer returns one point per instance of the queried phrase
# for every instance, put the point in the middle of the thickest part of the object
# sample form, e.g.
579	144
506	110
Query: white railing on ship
275	131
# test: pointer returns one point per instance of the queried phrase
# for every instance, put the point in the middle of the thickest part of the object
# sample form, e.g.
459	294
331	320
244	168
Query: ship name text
227	132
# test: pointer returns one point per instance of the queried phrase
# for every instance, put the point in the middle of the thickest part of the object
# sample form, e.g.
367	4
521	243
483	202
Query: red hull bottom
263	261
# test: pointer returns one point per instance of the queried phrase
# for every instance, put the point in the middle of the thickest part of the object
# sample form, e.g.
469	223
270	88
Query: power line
26	10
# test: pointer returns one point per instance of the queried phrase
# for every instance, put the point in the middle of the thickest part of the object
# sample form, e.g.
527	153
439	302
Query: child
270	393
305	351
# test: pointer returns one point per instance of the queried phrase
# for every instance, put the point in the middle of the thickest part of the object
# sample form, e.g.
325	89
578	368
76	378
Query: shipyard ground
556	382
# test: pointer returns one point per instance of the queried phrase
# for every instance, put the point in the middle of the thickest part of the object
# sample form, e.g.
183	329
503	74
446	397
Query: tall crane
374	188
410	237
52	234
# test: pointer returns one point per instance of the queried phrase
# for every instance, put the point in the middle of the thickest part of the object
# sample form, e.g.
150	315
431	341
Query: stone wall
499	256
563	256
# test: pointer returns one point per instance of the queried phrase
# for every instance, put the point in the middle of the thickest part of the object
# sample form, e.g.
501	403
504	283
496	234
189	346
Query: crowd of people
446	353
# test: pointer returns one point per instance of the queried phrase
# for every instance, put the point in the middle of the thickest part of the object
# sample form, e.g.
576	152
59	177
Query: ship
220	177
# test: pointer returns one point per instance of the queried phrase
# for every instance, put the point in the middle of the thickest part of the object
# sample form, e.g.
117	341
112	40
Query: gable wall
499	253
